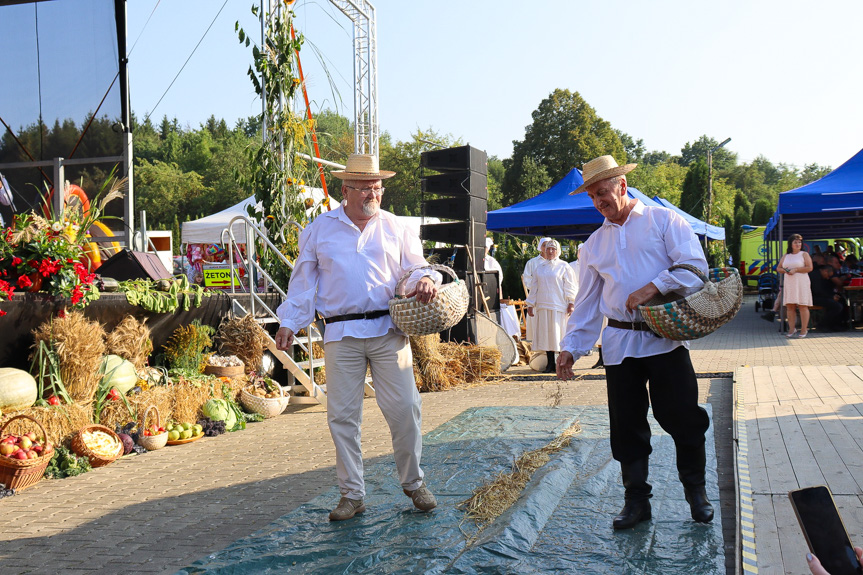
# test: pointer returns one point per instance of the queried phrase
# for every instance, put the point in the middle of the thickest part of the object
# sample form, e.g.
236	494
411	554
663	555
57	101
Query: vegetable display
18	389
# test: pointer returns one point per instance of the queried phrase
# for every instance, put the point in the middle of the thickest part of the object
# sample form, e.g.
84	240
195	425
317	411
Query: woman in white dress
550	300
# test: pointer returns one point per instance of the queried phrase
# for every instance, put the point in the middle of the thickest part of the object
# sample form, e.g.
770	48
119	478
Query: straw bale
491	500
244	338
115	413
131	341
189	396
80	345
60	422
430	366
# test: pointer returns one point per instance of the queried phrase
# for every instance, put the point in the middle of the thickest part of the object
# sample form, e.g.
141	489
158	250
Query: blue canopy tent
700	227
831	207
554	212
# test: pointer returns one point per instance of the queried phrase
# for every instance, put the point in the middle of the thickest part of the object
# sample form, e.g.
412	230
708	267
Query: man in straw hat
350	261
624	264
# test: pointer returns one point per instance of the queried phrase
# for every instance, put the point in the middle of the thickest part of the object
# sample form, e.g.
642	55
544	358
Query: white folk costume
551	289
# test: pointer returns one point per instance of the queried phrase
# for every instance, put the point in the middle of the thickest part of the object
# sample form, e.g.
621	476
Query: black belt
637	326
352	316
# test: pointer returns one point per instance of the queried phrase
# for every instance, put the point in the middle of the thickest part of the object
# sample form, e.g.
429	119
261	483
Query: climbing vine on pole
278	174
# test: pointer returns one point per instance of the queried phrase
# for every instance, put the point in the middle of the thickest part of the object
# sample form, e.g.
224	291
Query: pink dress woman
796	289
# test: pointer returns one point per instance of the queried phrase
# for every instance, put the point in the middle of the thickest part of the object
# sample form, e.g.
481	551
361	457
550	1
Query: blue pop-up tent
831	207
700	227
554	212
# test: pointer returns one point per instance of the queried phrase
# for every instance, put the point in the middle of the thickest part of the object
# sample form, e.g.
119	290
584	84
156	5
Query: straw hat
363	167
599	169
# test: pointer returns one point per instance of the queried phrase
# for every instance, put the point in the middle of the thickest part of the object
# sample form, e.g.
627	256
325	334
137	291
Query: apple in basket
7	449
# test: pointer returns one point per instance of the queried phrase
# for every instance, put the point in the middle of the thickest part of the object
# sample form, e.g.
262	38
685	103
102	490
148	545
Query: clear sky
781	78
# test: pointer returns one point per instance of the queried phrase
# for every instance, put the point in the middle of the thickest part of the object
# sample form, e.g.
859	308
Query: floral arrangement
38	255
46	254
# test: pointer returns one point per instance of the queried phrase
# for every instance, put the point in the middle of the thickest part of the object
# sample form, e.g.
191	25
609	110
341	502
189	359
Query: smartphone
824	530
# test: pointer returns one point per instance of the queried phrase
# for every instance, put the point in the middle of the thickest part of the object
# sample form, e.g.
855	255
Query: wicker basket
23	473
699	314
152	442
443	312
266	406
96	460
225	371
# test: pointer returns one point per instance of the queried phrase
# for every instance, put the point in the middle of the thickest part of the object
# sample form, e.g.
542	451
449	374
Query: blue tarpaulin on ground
831	207
560	524
554	212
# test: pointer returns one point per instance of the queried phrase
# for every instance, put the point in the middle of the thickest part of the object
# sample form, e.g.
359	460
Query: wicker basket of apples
23	458
153	437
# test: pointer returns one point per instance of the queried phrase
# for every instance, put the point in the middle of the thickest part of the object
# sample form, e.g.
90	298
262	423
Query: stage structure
362	14
65	103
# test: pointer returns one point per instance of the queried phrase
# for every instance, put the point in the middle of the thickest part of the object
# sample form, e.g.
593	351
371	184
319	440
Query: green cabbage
220	410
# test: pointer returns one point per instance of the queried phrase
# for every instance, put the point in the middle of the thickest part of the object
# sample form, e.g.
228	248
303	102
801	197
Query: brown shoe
346	509
422	498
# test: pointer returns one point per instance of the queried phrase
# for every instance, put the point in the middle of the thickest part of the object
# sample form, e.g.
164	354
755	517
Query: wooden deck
796	427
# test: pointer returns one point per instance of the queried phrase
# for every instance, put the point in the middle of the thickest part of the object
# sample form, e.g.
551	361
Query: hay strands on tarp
491	500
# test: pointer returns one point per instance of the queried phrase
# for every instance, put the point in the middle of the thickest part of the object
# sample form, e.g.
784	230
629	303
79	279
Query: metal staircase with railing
301	372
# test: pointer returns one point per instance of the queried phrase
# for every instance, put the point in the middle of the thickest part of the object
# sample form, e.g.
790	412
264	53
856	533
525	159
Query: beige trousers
391	362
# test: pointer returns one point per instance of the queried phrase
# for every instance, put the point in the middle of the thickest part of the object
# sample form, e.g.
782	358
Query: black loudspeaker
456	233
462	183
128	265
456	257
489	282
456	208
463	157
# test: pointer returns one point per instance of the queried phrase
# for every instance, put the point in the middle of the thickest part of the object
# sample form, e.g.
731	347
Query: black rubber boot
552	365
690	467
637	506
598	363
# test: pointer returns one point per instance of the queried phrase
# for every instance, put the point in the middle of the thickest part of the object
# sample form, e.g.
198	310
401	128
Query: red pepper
54	400
113	395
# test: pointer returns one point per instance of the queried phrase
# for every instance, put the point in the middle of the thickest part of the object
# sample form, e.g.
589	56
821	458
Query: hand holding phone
824	530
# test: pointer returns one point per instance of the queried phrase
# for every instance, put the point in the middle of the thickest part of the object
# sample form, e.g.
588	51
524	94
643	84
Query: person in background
826	293
625	263
350	262
552	292
839	278
527	279
795	266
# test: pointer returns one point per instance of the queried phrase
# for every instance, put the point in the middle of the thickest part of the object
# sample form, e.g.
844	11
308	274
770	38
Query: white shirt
342	270
527	276
552	285
618	260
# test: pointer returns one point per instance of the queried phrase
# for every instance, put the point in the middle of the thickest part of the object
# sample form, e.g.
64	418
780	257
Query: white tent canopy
208	230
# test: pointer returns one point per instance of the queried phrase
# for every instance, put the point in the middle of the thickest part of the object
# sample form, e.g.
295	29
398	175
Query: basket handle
22	416
407	274
690	268
144	419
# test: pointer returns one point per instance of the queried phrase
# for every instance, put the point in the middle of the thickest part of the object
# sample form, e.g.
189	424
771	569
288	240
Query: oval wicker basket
152	442
225	371
443	312
698	314
20	474
96	460
266	406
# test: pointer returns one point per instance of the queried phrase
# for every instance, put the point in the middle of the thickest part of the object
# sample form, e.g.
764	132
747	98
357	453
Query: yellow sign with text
219	276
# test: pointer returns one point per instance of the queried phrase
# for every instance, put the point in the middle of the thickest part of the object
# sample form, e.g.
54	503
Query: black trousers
674	395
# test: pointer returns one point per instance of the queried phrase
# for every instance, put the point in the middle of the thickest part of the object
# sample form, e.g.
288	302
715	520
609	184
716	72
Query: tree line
183	172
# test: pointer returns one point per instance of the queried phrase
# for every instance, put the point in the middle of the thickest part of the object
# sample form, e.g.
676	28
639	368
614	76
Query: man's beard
370	208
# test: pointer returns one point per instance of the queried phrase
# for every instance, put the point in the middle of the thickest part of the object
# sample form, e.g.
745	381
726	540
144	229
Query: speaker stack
458	194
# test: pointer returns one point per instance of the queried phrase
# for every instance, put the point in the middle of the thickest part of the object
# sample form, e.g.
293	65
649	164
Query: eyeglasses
368	191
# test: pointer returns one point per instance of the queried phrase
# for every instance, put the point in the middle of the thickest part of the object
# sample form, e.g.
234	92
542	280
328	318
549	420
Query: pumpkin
119	373
17	389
